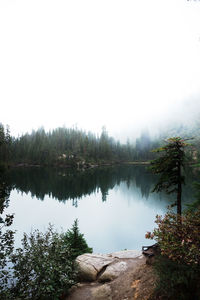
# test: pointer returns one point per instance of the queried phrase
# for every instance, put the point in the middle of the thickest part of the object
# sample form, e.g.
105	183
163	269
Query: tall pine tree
169	166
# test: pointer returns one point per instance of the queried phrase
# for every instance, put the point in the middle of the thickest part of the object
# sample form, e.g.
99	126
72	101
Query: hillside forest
74	147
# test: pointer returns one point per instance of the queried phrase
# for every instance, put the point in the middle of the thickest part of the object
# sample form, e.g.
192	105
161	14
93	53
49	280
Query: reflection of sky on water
119	223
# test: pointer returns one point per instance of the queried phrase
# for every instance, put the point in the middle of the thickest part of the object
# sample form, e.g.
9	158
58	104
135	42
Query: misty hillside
181	120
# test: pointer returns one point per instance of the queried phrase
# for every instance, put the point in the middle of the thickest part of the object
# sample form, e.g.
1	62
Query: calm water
114	206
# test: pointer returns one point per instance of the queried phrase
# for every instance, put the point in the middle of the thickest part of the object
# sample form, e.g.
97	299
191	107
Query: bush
6	249
179	239
176	281
178	267
6	235
44	268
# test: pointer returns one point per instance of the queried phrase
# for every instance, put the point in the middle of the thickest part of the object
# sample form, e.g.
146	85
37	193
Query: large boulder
104	267
113	271
90	265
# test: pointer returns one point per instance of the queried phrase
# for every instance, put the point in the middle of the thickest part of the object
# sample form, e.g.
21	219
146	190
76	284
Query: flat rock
91	264
127	254
113	271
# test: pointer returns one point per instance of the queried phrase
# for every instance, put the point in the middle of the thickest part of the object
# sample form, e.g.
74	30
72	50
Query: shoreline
79	165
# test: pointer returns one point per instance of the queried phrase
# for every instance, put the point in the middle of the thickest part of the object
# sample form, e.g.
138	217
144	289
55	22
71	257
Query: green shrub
6	235
44	267
6	249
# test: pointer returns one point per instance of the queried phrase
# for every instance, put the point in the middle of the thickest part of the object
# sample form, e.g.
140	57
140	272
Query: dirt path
136	283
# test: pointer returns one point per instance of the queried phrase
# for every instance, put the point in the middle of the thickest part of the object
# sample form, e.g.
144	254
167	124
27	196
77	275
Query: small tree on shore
76	241
169	166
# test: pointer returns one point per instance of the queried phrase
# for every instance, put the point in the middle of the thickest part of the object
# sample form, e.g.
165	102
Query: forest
76	148
63	146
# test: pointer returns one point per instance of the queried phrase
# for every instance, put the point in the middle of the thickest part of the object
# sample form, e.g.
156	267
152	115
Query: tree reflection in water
69	184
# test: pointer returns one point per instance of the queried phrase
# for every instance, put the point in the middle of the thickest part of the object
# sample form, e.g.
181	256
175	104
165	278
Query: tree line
70	146
75	147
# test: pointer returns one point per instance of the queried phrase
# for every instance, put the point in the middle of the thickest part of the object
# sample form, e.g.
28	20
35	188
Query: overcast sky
122	64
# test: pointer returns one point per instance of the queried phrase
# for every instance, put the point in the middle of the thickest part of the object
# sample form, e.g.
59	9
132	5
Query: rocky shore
121	275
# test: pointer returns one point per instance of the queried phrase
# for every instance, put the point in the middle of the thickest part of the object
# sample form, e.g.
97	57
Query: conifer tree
76	241
169	166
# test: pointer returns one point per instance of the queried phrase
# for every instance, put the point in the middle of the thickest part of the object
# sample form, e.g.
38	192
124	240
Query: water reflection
68	184
114	205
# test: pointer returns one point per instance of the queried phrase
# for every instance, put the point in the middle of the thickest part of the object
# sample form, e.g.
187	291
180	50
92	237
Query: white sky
121	64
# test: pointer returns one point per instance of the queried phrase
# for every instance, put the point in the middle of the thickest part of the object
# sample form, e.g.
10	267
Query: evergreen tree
76	241
169	166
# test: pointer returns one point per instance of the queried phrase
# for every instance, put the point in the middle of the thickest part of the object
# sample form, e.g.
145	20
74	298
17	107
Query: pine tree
169	166
76	241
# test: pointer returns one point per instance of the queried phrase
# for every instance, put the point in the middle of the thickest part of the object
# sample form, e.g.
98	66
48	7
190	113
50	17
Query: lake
114	205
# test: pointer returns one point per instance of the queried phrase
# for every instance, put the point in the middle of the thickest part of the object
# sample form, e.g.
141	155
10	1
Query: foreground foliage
179	241
6	235
176	281
178	267
44	268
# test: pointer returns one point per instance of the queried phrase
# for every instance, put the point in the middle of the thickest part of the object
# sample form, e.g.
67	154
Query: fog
184	113
126	65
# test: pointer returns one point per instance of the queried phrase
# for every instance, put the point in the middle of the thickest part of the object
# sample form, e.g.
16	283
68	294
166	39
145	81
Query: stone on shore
113	271
90	265
104	267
